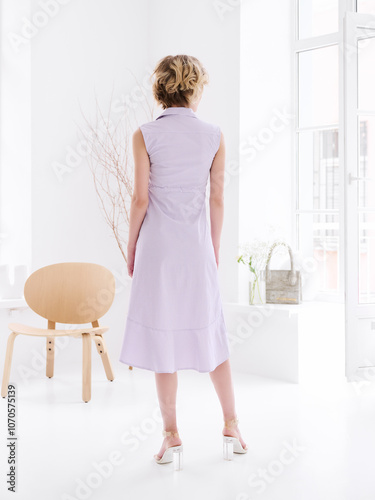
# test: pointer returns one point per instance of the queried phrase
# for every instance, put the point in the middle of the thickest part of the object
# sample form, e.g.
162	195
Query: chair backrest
70	292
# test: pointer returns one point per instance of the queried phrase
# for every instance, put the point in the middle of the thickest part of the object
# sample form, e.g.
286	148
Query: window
317	169
318	172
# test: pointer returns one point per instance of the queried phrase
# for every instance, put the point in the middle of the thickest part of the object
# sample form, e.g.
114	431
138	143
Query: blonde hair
179	80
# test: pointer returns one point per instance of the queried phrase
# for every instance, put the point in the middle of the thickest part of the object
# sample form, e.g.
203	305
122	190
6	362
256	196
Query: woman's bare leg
222	379
166	387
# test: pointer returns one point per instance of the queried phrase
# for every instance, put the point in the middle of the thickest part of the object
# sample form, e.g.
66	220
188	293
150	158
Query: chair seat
43	332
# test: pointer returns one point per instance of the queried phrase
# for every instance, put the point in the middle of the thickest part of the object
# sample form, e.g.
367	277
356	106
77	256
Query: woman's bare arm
139	201
217	173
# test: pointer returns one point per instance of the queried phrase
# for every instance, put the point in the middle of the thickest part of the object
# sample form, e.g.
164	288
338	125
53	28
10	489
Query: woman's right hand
216	250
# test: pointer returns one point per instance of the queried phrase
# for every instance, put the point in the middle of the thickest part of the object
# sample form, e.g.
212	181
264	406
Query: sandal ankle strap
170	433
233	422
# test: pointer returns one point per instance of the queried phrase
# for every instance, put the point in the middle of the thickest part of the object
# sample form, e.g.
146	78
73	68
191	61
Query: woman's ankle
231	420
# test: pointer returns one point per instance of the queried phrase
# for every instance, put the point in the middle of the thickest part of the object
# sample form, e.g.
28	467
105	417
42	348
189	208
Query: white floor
308	441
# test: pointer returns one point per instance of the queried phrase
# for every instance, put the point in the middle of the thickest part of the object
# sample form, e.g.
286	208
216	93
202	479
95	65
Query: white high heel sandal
172	453
232	444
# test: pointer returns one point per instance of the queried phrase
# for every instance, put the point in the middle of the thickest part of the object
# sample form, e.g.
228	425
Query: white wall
265	139
15	181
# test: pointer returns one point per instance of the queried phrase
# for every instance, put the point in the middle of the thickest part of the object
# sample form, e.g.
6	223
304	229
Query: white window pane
366	225
318	170
317	17
366	6
319	243
366	162
318	87
366	73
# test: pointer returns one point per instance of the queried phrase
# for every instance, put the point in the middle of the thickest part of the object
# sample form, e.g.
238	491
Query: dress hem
167	352
178	369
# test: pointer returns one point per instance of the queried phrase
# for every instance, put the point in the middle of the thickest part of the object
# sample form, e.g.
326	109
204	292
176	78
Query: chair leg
86	368
102	350
50	356
7	364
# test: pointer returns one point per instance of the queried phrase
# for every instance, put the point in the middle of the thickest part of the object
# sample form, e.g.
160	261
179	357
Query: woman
175	318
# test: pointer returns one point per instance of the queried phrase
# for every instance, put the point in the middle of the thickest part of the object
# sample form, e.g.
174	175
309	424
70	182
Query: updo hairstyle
179	80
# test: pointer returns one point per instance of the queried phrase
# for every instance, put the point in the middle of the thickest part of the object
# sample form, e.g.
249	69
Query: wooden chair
70	293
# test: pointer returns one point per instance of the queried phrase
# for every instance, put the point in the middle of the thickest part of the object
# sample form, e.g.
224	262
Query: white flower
255	254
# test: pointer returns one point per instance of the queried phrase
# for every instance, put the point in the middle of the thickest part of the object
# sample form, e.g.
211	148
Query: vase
257	289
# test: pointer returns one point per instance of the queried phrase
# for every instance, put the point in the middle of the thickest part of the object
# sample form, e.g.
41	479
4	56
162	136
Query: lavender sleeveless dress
175	318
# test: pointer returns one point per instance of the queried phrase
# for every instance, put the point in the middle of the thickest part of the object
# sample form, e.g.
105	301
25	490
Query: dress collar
178	110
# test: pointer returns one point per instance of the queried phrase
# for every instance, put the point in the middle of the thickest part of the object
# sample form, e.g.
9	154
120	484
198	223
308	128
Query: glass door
359	134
